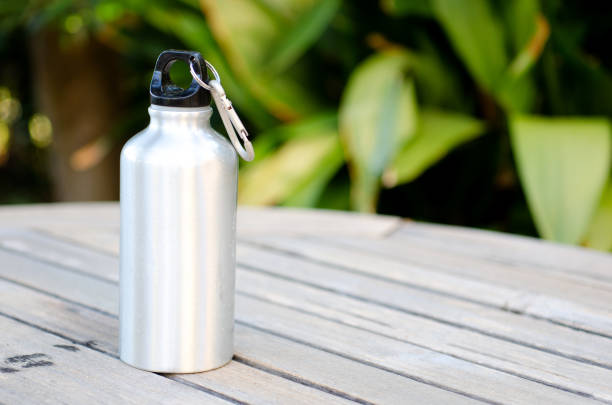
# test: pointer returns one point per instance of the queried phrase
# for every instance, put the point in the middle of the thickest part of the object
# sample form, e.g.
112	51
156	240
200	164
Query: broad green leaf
599	235
302	35
246	31
377	116
437	134
243	28
421	8
477	37
563	166
295	174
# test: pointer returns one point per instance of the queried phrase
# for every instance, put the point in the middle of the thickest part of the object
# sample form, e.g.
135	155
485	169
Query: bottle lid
164	92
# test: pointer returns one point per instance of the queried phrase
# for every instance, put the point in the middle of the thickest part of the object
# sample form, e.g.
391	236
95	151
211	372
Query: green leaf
437	134
519	18
563	166
599	235
246	31
377	116
295	174
421	8
529	31
302	35
477	37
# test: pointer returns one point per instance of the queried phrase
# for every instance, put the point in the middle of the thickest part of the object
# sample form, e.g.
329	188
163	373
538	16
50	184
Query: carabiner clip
228	114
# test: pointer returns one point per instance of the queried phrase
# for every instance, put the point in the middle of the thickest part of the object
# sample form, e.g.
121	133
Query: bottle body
177	251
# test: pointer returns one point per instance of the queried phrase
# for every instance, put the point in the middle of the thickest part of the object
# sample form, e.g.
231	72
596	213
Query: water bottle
178	227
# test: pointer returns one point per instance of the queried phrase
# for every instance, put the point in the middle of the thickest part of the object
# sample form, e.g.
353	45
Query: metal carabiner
228	114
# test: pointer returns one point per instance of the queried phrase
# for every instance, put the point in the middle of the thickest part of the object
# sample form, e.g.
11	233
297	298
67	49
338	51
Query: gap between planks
384	305
528	392
549	281
76	363
104	325
586	319
306	257
557	387
511	250
516	303
194	380
257	256
448	321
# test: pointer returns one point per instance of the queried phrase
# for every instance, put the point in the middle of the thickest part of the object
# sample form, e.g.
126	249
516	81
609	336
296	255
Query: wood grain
40	368
404	358
518	251
83	325
548	302
448	310
104	216
466	315
331	308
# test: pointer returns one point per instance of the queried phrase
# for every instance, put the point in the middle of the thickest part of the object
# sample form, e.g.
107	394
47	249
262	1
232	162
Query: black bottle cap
164	92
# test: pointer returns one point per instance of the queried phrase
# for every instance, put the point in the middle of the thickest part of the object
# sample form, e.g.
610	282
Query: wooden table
332	307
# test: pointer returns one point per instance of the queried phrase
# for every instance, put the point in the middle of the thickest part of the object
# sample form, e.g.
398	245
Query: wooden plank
517	299
254	386
251	220
384	352
236	381
296	221
103	296
38	368
458	343
101	214
509	326
93	223
312	367
528	332
512	250
401	357
359	380
61	253
101	239
540	280
421	249
517	296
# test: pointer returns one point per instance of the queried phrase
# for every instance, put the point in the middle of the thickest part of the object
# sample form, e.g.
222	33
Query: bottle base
176	370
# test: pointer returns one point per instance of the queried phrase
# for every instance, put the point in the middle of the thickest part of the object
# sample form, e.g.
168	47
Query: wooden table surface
331	307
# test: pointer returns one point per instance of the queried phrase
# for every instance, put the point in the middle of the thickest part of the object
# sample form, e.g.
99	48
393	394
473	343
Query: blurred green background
491	114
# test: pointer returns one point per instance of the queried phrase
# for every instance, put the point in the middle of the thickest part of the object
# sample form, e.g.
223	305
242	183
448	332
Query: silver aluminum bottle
177	253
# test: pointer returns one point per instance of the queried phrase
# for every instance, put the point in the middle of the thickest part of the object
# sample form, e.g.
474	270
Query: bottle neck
179	117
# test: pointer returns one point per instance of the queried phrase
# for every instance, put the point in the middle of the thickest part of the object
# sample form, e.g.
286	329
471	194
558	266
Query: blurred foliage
564	164
416	108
